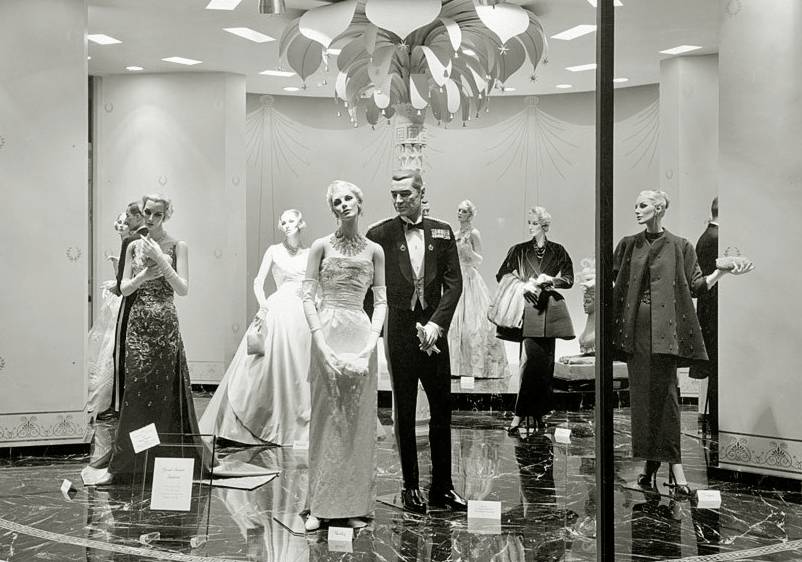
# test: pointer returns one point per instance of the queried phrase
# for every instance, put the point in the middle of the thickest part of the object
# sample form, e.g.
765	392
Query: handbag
506	310
255	337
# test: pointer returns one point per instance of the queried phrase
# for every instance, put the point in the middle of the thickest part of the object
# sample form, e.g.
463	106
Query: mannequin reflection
343	371
475	351
281	413
656	274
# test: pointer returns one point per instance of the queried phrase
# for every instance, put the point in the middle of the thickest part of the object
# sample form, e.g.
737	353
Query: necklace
348	245
465	231
540	251
290	249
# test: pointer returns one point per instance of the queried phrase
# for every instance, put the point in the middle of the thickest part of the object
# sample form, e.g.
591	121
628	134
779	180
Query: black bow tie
411	225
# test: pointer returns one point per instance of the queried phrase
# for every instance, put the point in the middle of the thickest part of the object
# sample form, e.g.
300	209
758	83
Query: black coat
674	278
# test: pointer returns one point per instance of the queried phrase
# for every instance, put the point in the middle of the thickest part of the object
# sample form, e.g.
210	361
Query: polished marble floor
547	492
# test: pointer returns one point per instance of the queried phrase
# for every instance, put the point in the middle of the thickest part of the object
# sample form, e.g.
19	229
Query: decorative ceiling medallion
73	253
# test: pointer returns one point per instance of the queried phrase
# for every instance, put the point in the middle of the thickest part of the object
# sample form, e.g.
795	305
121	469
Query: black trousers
408	364
537	377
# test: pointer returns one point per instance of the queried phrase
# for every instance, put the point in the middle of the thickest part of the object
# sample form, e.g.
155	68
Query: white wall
182	135
526	151
43	183
761	201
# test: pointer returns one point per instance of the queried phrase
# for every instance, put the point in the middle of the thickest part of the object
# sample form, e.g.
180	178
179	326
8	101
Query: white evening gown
100	354
342	439
475	350
264	399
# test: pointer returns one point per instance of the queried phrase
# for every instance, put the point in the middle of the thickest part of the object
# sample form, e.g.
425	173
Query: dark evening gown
157	386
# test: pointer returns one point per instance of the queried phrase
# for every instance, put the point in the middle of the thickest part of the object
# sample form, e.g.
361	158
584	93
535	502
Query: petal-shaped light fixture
327	22
402	17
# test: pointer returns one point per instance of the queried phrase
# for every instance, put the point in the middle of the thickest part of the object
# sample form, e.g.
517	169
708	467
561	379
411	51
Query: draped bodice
344	281
154	289
289	270
467	256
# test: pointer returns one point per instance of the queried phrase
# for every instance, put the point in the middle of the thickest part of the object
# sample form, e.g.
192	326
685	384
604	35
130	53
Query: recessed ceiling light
574	32
508	89
291	88
102	39
222	4
281	73
88	58
581	67
469	52
134	68
680	49
620	80
616	3
564	86
334	51
250	34
182	60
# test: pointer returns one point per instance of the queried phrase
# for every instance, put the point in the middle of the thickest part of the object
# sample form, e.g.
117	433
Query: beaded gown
157	388
264	398
342	435
475	350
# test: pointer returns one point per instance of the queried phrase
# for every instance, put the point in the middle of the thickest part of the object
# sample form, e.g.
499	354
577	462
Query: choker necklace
348	245
290	249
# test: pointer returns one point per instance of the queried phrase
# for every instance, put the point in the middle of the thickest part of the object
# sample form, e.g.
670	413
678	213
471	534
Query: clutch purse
255	337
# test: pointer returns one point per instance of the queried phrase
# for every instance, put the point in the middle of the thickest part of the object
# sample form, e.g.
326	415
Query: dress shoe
312	523
450	499
412	500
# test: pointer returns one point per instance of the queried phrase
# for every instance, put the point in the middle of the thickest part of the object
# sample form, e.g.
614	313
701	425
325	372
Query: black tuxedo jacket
442	275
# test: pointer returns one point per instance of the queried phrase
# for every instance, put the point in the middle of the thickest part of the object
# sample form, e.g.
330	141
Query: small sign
467	383
708	499
67	490
341	534
144	438
172	484
478	509
562	435
341	539
300	445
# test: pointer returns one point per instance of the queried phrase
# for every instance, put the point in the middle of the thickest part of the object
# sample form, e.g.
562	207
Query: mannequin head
291	222
466	211
121	226
407	193
650	208
539	221
156	209
344	199
133	216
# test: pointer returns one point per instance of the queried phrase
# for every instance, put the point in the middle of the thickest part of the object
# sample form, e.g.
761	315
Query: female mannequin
475	351
264	398
343	372
656	275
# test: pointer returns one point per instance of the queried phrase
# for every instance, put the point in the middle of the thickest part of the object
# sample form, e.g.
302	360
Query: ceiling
151	30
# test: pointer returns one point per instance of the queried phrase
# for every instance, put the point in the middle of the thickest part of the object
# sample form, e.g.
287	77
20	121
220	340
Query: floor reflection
547	492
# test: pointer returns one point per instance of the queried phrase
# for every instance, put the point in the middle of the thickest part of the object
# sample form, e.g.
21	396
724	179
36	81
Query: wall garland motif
29	428
771	453
641	146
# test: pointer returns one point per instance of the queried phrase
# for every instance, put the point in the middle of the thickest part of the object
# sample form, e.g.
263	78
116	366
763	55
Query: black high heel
648	481
678	491
514	430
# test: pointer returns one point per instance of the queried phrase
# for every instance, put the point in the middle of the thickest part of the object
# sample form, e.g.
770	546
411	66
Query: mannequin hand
531	287
114	260
431	332
152	250
544	280
330	361
742	266
262	313
151	272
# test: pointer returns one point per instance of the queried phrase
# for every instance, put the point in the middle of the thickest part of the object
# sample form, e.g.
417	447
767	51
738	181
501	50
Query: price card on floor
562	435
172	484
341	539
67	490
478	509
708	499
468	383
144	438
300	445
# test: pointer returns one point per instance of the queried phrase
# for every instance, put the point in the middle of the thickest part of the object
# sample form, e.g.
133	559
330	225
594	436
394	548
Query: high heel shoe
647	482
678	491
514	430
312	523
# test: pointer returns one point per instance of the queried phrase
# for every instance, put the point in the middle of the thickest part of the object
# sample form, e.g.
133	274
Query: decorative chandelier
404	56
